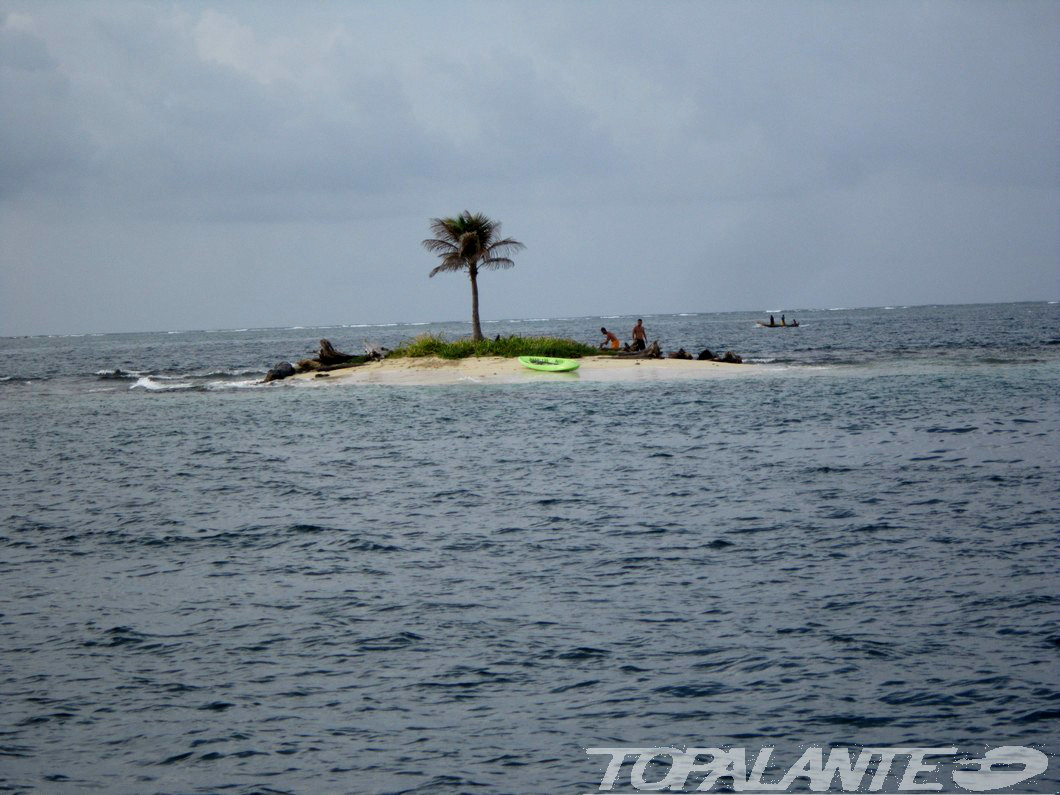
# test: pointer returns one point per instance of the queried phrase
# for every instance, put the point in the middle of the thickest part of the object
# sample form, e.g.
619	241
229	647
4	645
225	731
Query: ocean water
209	585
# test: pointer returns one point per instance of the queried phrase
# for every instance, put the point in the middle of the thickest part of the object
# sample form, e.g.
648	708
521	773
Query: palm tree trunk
476	328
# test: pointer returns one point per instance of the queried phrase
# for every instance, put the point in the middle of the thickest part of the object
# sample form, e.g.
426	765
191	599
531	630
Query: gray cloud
41	140
741	154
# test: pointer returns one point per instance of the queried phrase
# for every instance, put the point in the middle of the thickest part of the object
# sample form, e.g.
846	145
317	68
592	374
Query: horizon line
897	305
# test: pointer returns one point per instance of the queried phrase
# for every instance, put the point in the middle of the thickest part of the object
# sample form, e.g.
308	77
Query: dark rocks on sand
653	351
680	353
279	371
729	357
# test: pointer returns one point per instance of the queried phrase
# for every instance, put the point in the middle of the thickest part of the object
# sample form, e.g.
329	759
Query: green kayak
548	363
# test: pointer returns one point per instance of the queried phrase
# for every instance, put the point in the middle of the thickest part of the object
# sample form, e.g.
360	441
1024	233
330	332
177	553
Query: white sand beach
427	371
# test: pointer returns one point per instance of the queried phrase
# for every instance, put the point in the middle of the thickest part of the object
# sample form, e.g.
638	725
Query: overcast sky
195	165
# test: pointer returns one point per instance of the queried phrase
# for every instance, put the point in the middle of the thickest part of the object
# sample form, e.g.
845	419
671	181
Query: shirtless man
640	338
610	339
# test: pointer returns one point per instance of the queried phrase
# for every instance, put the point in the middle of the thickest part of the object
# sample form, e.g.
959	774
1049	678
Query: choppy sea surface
208	585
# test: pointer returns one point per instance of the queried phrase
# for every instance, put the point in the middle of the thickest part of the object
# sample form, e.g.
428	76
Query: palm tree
470	242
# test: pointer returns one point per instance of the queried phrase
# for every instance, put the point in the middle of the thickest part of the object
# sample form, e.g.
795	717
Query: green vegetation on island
435	345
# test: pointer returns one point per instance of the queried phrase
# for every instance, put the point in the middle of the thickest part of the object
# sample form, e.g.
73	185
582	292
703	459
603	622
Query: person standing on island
610	339
640	339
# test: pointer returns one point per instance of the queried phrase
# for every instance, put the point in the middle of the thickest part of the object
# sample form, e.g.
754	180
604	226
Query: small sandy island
429	371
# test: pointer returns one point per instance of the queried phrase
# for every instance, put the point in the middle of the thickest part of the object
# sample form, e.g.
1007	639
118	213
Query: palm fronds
468	242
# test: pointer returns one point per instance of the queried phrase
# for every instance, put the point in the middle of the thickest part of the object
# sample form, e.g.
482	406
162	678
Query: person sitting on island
640	338
611	339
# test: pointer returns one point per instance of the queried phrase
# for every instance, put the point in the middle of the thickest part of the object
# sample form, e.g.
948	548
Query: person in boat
783	322
640	337
772	321
609	339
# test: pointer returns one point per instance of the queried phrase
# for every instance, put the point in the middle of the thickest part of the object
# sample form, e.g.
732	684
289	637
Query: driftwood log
327	359
328	354
375	351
